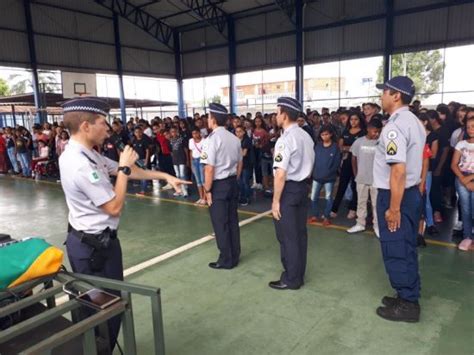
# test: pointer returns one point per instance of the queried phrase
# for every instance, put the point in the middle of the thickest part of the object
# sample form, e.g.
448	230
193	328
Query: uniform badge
204	156
392	135
392	148
278	158
94	177
280	147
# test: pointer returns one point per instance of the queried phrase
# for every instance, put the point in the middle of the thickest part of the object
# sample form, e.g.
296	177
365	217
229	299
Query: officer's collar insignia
278	158
392	148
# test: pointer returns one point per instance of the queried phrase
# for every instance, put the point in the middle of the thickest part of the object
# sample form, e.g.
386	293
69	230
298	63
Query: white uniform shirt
294	153
402	141
221	149
86	184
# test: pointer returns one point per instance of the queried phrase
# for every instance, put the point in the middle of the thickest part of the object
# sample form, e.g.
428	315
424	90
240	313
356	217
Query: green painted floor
234	312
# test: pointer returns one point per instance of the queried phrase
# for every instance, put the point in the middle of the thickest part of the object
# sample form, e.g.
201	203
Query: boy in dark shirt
247	168
141	144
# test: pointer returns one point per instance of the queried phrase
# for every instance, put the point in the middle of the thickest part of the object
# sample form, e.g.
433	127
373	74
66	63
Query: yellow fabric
48	262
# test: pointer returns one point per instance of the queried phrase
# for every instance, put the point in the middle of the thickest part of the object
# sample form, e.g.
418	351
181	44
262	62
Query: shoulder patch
204	156
94	177
392	148
392	135
278	158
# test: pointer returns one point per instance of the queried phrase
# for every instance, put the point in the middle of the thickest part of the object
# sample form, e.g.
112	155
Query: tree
4	89
424	68
23	83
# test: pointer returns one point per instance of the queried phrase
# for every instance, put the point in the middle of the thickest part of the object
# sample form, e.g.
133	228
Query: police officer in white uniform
92	244
293	164
222	157
397	174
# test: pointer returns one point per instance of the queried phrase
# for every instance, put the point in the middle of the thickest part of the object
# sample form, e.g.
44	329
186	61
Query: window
199	92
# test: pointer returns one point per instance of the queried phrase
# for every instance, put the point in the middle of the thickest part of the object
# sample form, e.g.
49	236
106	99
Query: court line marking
168	255
333	226
153	261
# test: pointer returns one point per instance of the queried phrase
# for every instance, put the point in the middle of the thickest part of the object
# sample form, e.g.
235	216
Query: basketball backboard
78	84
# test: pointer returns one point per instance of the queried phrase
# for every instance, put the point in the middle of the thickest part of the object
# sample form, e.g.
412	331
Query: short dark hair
434	115
330	129
221	119
375	123
406	99
292	114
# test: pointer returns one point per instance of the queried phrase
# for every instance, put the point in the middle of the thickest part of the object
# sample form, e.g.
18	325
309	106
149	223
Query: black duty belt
96	241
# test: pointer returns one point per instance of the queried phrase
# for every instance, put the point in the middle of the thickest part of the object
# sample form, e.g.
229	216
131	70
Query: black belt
79	234
96	241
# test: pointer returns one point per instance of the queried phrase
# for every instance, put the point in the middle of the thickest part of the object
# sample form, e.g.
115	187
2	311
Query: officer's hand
176	183
209	198
393	219
276	210
128	157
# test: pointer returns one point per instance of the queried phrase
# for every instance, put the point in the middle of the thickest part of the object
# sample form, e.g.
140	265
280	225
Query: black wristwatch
125	169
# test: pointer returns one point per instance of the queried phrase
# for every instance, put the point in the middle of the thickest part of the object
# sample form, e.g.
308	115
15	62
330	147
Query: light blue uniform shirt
86	184
402	141
221	149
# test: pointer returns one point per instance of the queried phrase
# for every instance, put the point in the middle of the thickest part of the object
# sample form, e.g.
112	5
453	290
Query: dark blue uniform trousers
292	233
79	254
225	221
399	248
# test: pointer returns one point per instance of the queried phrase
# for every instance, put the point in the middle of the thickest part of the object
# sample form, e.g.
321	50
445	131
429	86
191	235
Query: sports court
234	312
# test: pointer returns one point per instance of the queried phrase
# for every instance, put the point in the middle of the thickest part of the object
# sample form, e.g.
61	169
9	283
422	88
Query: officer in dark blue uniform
293	164
222	157
92	243
397	174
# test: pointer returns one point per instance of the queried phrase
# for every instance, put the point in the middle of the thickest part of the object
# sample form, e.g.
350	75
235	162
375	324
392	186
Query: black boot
389	301
401	311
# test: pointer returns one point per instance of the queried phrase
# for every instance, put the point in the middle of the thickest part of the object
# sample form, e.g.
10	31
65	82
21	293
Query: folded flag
28	260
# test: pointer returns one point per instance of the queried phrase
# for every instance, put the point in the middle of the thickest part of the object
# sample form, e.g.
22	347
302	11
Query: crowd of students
345	142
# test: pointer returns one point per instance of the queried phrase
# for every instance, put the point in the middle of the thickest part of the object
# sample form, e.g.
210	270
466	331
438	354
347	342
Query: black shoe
420	241
401	311
216	265
432	230
278	285
390	301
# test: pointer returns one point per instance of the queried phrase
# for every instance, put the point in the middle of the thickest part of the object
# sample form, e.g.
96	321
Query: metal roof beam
142	19
209	12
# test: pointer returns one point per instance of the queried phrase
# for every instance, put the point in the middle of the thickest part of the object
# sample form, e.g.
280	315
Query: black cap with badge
87	104
402	84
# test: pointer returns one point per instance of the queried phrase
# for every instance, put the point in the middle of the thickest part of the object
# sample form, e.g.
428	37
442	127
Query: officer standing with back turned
222	157
92	243
293	164
397	173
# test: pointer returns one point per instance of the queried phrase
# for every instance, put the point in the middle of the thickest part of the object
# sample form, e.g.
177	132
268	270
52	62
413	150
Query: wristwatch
125	169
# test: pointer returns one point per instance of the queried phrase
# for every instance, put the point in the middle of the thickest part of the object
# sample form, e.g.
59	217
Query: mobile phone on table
98	299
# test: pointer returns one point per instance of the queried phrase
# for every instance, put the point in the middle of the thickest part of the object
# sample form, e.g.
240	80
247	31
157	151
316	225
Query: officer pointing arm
92	243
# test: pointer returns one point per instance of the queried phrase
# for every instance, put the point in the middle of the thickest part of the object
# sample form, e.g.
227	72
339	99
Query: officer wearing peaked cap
397	173
293	164
92	243
222	157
